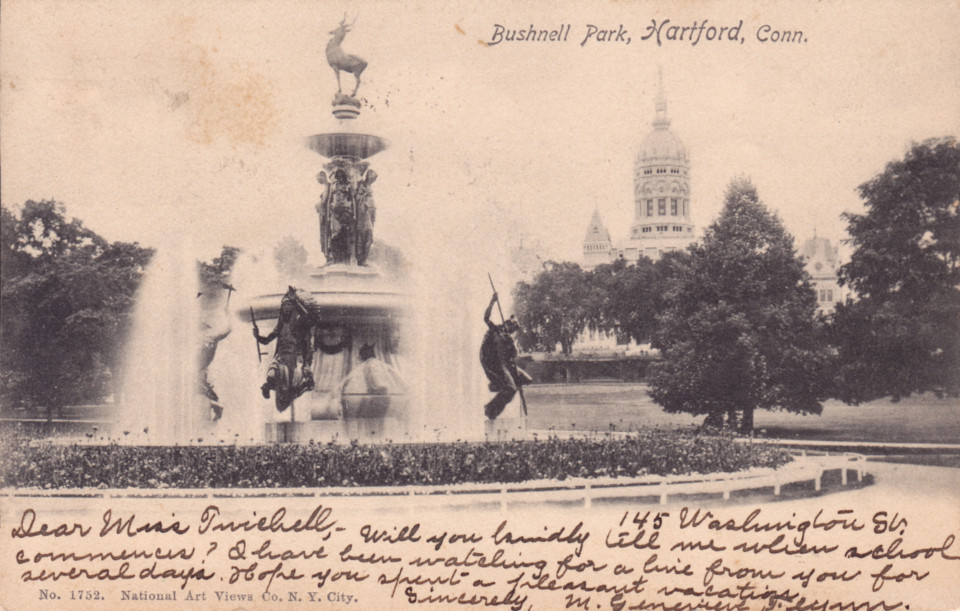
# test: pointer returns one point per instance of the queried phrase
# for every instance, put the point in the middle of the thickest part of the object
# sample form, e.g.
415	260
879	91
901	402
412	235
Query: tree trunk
746	424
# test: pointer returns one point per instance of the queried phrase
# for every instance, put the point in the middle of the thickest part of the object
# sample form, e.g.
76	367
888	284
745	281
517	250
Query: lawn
606	406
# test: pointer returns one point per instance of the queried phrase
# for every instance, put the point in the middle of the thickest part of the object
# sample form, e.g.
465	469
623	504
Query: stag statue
339	60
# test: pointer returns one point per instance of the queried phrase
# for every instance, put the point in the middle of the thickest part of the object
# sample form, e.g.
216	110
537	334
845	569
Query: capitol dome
661	144
662	218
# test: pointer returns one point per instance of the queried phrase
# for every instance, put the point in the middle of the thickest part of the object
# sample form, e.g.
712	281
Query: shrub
29	463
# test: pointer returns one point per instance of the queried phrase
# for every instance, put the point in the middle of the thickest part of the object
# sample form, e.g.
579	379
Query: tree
215	275
902	334
630	294
389	259
290	258
556	307
739	330
66	299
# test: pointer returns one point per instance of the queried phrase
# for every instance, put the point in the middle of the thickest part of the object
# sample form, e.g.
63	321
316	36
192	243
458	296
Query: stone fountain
351	350
346	379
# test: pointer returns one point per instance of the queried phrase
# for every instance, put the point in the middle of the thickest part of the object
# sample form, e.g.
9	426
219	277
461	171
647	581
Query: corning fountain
350	313
358	356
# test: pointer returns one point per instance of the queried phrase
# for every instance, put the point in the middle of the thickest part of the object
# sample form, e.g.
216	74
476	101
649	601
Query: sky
155	121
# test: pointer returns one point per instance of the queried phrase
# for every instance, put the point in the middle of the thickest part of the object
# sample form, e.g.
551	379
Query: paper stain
222	102
459	29
177	99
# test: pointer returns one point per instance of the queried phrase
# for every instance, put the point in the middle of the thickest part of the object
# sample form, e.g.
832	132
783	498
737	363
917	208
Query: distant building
661	187
822	264
525	263
597	247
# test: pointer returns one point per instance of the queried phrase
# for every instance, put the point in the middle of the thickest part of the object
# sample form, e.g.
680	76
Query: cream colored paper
154	121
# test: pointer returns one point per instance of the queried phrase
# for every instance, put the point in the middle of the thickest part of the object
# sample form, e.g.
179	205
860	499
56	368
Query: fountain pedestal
356	312
359	391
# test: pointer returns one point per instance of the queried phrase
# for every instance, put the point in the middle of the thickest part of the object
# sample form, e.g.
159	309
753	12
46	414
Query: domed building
661	195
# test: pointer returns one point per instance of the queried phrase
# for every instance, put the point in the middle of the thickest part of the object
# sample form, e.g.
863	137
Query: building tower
596	245
661	187
822	263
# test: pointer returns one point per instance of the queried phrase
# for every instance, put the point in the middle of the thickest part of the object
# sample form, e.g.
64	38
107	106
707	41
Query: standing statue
293	334
210	339
498	354
347	211
366	217
323	210
338	220
208	350
345	62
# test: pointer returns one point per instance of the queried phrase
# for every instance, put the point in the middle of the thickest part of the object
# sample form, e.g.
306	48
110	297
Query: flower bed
26	463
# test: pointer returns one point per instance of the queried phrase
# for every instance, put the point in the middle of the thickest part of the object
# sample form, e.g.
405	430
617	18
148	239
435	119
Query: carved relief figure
337	222
323	210
347	211
366	217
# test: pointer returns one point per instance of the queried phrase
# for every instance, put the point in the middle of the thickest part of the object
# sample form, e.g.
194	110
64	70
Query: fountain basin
346	144
343	293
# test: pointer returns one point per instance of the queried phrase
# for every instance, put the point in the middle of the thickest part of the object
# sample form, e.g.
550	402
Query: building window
662	207
673	207
647	172
686	211
649	207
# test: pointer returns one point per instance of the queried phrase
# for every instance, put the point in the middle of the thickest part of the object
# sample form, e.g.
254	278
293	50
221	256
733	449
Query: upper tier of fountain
347	144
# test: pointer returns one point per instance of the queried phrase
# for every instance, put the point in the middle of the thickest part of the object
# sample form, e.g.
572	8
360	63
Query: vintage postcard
577	305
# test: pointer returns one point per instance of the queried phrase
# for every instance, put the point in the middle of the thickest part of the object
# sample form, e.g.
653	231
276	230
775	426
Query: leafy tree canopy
739	330
631	296
290	257
902	334
556	307
215	274
66	298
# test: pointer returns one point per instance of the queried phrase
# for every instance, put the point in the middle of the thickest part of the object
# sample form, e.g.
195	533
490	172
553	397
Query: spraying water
160	404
